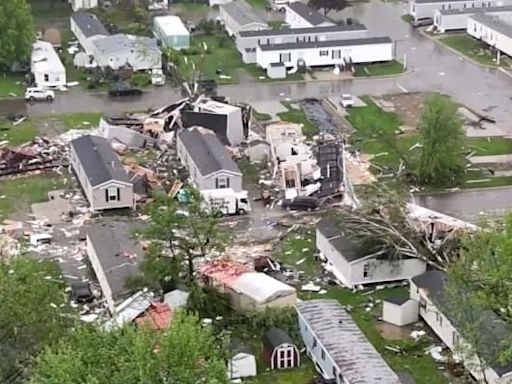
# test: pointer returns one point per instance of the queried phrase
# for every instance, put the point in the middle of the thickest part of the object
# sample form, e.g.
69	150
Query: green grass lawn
11	84
299	117
258	4
420	366
379	69
50	12
303	375
221	54
276	24
408	18
260	75
261	116
469	47
499	181
299	247
485	146
17	194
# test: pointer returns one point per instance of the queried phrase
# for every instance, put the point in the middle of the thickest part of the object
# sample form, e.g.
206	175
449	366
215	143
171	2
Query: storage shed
171	31
279	350
242	362
276	71
400	311
46	66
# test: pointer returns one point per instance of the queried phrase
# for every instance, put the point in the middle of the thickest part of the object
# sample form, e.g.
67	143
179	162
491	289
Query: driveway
431	68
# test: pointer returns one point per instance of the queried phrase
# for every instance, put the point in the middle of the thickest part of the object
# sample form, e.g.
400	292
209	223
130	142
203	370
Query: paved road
431	68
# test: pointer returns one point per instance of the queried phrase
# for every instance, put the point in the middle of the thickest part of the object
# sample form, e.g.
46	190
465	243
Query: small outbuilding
242	362
46	65
171	31
400	311
276	71
239	16
279	350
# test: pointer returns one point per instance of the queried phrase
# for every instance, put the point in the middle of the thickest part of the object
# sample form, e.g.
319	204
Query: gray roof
275	337
207	151
464	11
242	12
98	160
397	300
309	14
494	330
325	44
357	359
333	232
121	43
493	22
118	253
303	31
89	24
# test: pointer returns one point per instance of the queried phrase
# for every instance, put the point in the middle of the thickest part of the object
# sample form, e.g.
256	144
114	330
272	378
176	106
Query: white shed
242	362
171	31
46	66
400	311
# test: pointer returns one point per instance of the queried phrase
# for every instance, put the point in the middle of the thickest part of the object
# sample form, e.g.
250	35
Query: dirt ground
408	106
393	332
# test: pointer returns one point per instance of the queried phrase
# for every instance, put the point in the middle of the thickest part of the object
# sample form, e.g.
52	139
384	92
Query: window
472	5
46	77
322	354
449	6
336	53
464	5
57	78
423	303
324	53
284	57
222	182
414	8
366	270
314	342
442	7
455	338
112	194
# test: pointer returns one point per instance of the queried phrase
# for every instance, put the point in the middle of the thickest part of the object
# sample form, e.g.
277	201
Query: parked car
81	293
423	22
347	101
39	94
157	77
305	203
123	89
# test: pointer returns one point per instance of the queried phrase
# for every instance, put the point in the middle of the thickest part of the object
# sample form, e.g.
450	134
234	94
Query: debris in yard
436	353
311	287
417	334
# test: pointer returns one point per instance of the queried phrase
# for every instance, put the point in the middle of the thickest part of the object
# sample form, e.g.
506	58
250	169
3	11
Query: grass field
260	75
297	251
303	375
380	69
258	4
470	48
484	146
299	117
11	85
17	194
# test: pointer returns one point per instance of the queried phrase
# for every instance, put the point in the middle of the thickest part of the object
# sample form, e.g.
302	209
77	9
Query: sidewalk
500	159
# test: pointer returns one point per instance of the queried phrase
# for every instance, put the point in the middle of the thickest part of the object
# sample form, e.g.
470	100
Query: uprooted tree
384	226
180	233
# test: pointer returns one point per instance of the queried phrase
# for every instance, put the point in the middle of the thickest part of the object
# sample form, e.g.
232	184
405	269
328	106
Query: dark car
423	22
305	203
123	89
81	293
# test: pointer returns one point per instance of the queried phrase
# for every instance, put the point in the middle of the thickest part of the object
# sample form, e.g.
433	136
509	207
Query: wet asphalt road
431	68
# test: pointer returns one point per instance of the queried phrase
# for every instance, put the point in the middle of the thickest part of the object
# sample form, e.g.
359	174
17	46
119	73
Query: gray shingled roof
242	12
325	44
494	330
89	24
122	43
357	359
275	337
98	160
119	254
207	151
493	22
333	232
303	31
397	300
307	13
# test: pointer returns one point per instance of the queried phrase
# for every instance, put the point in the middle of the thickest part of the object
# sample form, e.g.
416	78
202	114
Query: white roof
260	286
171	25
209	105
45	59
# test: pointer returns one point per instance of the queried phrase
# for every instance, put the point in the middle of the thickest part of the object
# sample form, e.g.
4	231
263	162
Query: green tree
441	162
33	313
17	33
180	233
186	353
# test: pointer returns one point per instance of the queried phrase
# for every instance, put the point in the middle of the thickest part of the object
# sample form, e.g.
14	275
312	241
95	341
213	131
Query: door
285	357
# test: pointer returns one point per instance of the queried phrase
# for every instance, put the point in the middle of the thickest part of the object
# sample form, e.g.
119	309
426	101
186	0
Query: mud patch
407	106
393	332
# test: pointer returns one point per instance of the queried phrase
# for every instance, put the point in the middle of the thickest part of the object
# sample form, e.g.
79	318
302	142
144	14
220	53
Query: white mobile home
86	27
494	30
301	15
338	348
239	16
457	19
248	41
429	290
209	164
420	9
351	264
46	66
83	4
326	53
171	31
102	176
